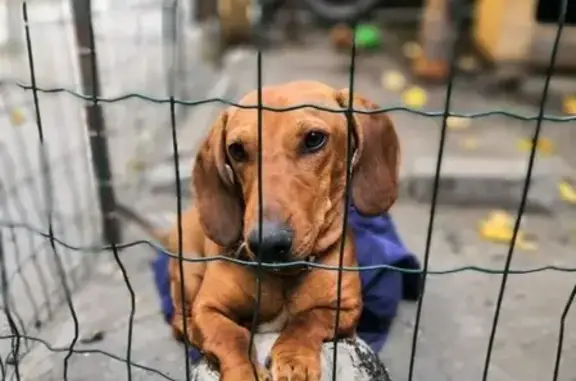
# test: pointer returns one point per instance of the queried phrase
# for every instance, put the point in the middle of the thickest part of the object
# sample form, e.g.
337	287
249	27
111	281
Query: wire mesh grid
49	179
47	236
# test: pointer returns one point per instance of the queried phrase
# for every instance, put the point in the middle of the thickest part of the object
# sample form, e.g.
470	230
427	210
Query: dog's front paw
246	373
295	363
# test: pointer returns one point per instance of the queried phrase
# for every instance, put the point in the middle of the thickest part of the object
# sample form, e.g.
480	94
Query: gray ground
458	309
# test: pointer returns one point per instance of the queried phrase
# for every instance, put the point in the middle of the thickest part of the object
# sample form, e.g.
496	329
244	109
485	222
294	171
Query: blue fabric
377	242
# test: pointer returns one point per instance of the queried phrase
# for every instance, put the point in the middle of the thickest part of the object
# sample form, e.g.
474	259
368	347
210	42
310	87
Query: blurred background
65	160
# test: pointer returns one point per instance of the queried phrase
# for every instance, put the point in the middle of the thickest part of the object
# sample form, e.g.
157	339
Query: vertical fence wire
48	189
95	122
526	186
23	158
180	232
4	289
561	333
98	139
171	59
13	191
459	14
259	168
71	174
27	288
132	312
10	303
32	249
349	114
20	261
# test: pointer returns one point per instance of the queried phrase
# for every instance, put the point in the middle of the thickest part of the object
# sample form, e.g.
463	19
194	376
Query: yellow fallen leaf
523	244
411	50
567	192
414	97
499	227
495	233
17	117
501	217
544	146
523	145
457	123
393	80
569	104
469	143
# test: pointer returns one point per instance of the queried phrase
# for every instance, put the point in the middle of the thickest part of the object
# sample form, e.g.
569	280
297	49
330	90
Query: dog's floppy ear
376	160
217	199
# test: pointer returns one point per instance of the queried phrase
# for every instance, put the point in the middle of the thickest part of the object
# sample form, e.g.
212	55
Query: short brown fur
307	191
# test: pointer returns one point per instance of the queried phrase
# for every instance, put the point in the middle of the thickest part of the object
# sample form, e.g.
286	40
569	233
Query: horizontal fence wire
227	258
526	186
47	191
336	110
19	337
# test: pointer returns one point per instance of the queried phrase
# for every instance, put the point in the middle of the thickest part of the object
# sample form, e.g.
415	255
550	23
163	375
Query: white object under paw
355	362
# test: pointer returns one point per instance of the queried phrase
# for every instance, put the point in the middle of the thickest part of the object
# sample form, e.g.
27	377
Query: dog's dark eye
237	152
314	141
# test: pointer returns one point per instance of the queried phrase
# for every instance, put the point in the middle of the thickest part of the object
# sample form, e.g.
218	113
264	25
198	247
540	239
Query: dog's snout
276	241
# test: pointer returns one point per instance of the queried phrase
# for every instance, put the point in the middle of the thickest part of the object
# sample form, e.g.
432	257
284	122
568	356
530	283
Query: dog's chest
275	301
276	324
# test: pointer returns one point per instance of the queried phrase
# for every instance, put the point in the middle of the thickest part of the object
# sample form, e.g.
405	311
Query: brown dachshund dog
303	185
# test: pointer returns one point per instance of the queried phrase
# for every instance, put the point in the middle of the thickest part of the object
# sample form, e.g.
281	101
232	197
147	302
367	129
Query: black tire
350	12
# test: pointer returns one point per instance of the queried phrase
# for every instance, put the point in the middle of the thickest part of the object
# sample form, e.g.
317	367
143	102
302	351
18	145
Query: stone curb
488	182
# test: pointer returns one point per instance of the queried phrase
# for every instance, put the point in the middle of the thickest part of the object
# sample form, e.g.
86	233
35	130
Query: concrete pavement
457	309
456	319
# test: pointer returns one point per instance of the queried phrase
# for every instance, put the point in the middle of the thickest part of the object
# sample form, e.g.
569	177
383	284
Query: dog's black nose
276	241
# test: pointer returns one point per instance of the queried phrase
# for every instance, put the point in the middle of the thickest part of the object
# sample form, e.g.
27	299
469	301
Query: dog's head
303	171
